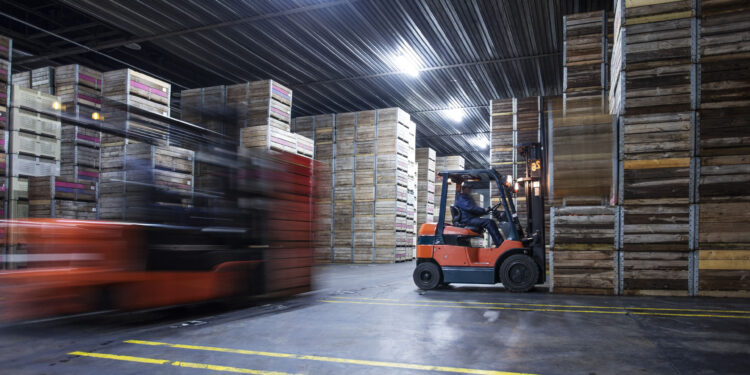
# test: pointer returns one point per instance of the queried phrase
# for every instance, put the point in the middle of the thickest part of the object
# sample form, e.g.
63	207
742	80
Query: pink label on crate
3	95
281	91
70	185
88	138
90	79
87	173
276	110
158	92
146	88
2	118
3	188
3	71
304	146
283	142
3	48
89	98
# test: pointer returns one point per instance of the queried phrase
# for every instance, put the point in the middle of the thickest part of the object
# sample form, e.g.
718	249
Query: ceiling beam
153	37
448	109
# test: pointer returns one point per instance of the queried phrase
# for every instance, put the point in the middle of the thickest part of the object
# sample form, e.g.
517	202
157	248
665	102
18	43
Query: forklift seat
456	215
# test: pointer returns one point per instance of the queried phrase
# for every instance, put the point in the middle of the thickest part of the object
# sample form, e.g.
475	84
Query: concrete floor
370	319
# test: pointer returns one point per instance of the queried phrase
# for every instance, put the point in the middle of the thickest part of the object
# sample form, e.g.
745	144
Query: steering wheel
493	208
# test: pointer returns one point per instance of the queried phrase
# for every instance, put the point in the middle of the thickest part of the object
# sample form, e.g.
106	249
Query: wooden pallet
268	138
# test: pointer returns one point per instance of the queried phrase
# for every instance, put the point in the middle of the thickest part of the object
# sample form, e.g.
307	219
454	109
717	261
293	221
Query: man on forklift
470	215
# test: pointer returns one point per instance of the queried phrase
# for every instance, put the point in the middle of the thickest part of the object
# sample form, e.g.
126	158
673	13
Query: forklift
445	253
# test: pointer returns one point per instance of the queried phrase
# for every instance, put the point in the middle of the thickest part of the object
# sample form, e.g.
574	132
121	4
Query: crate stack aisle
723	264
320	129
425	186
653	91
74	193
584	250
447	163
135	153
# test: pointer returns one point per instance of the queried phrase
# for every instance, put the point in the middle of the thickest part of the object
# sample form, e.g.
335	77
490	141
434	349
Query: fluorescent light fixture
407	62
455	114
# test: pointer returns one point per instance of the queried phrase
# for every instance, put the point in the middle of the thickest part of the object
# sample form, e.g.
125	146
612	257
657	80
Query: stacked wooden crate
425	186
40	79
502	125
263	112
6	47
583	243
33	141
409	242
724	219
321	130
394	148
653	91
344	179
363	224
74	193
446	163
131	168
207	107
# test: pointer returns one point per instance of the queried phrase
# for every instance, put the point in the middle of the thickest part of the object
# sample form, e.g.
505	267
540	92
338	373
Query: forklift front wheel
519	273
427	275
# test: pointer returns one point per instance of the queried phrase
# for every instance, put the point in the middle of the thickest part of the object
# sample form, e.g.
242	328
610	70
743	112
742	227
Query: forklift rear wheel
427	275
519	273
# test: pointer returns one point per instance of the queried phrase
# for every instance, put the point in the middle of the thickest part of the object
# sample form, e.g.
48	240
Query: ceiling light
455	114
480	142
407	64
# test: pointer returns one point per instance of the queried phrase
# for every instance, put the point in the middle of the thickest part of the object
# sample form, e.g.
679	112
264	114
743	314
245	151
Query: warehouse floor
370	319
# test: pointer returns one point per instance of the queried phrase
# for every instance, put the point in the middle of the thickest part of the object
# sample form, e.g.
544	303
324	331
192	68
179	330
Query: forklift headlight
509	180
515	187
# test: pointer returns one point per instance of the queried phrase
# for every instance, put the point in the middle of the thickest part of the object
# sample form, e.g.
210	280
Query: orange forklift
445	253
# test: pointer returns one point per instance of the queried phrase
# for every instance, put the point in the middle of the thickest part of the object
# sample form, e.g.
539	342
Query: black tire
519	273
427	276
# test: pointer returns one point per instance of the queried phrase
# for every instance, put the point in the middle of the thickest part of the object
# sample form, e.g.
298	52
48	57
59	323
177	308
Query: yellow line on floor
122	358
408	366
542	309
153	361
547	305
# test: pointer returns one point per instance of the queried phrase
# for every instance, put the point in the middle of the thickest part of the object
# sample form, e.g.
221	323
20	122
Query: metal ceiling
336	54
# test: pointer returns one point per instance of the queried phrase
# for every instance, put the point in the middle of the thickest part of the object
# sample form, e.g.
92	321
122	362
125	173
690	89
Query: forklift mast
534	185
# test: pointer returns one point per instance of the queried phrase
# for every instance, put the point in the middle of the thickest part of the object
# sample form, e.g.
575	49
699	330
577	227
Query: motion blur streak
250	236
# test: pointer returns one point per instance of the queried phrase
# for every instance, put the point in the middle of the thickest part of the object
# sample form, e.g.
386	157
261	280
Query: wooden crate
583	250
22	79
63	209
78	85
55	188
260	103
305	145
268	138
660	273
34	145
5	47
137	89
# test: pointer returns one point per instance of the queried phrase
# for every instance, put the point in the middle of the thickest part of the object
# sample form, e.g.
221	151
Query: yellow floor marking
409	366
203	366
546	305
237	370
122	358
544	310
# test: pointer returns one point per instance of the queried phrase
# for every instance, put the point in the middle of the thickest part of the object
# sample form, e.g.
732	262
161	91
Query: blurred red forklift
445	253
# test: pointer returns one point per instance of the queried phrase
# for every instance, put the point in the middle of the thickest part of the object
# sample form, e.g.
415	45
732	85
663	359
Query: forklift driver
470	215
